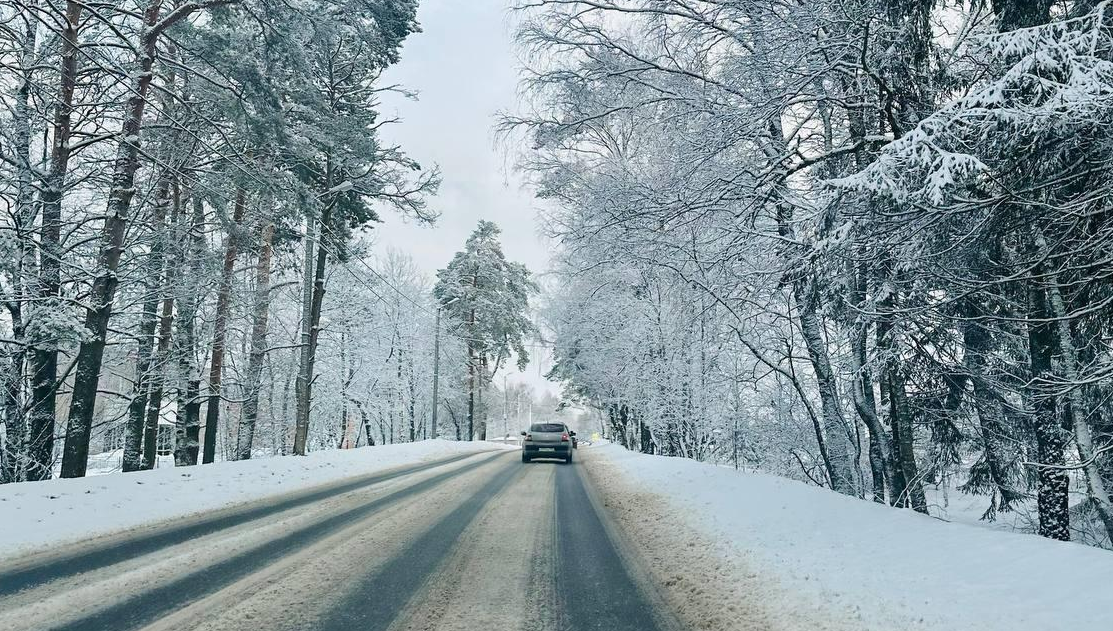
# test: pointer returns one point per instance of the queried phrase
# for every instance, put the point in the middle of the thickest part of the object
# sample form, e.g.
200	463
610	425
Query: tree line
181	180
865	244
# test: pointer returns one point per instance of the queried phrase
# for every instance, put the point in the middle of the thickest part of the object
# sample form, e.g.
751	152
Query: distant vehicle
548	440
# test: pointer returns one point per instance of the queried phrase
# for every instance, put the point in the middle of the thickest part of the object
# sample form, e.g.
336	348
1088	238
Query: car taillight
564	437
529	436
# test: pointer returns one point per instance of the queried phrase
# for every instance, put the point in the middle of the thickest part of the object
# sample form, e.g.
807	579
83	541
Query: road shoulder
698	579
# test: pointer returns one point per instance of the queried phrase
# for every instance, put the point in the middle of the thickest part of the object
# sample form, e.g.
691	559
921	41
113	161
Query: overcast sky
465	71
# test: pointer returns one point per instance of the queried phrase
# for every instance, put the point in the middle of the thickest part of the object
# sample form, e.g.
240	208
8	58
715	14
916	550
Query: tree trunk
911	491
13	453
315	312
645	437
907	485
1075	407
148	323
315	296
286	408
866	406
250	411
412	409
304	376
471	387
220	326
345	380
481	406
162	355
1052	496
44	357
187	422
157	384
365	423
834	441
90	355
840	468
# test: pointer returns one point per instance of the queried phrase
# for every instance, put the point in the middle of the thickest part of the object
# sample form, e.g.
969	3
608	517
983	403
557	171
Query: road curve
473	543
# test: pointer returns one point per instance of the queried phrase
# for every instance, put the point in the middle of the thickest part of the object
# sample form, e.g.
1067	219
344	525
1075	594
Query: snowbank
33	514
893	569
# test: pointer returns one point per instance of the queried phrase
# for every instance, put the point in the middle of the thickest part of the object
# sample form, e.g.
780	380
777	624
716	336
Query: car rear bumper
558	450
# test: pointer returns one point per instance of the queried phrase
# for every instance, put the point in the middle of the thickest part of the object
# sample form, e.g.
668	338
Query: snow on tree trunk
187	422
1053	490
134	429
249	413
44	358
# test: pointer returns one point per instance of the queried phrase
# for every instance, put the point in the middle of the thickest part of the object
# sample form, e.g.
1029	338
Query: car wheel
568	460
525	458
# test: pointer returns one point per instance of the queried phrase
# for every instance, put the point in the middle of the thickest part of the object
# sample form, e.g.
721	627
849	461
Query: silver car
547	440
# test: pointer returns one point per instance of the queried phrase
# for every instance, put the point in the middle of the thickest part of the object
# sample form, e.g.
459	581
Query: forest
181	183
864	244
556	314
860	243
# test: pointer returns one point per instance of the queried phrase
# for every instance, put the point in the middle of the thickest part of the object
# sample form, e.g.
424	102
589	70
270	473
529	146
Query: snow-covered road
465	537
469	543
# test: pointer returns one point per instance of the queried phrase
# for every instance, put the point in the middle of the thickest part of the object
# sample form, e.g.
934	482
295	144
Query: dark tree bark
1052	495
365	422
911	491
157	384
304	376
44	357
220	326
162	354
90	355
309	354
836	443
865	404
148	324
645	438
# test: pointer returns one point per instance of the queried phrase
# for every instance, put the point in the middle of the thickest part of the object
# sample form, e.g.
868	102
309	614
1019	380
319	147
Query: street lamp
437	361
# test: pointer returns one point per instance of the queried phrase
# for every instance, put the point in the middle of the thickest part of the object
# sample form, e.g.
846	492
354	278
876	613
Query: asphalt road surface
469	543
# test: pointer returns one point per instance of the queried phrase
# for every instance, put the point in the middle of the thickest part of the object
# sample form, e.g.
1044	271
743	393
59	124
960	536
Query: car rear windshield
546	427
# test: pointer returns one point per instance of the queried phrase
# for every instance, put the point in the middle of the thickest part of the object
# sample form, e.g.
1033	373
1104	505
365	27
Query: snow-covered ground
811	551
35	514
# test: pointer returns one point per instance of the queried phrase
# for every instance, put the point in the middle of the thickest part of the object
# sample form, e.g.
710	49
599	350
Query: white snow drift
35	514
886	569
